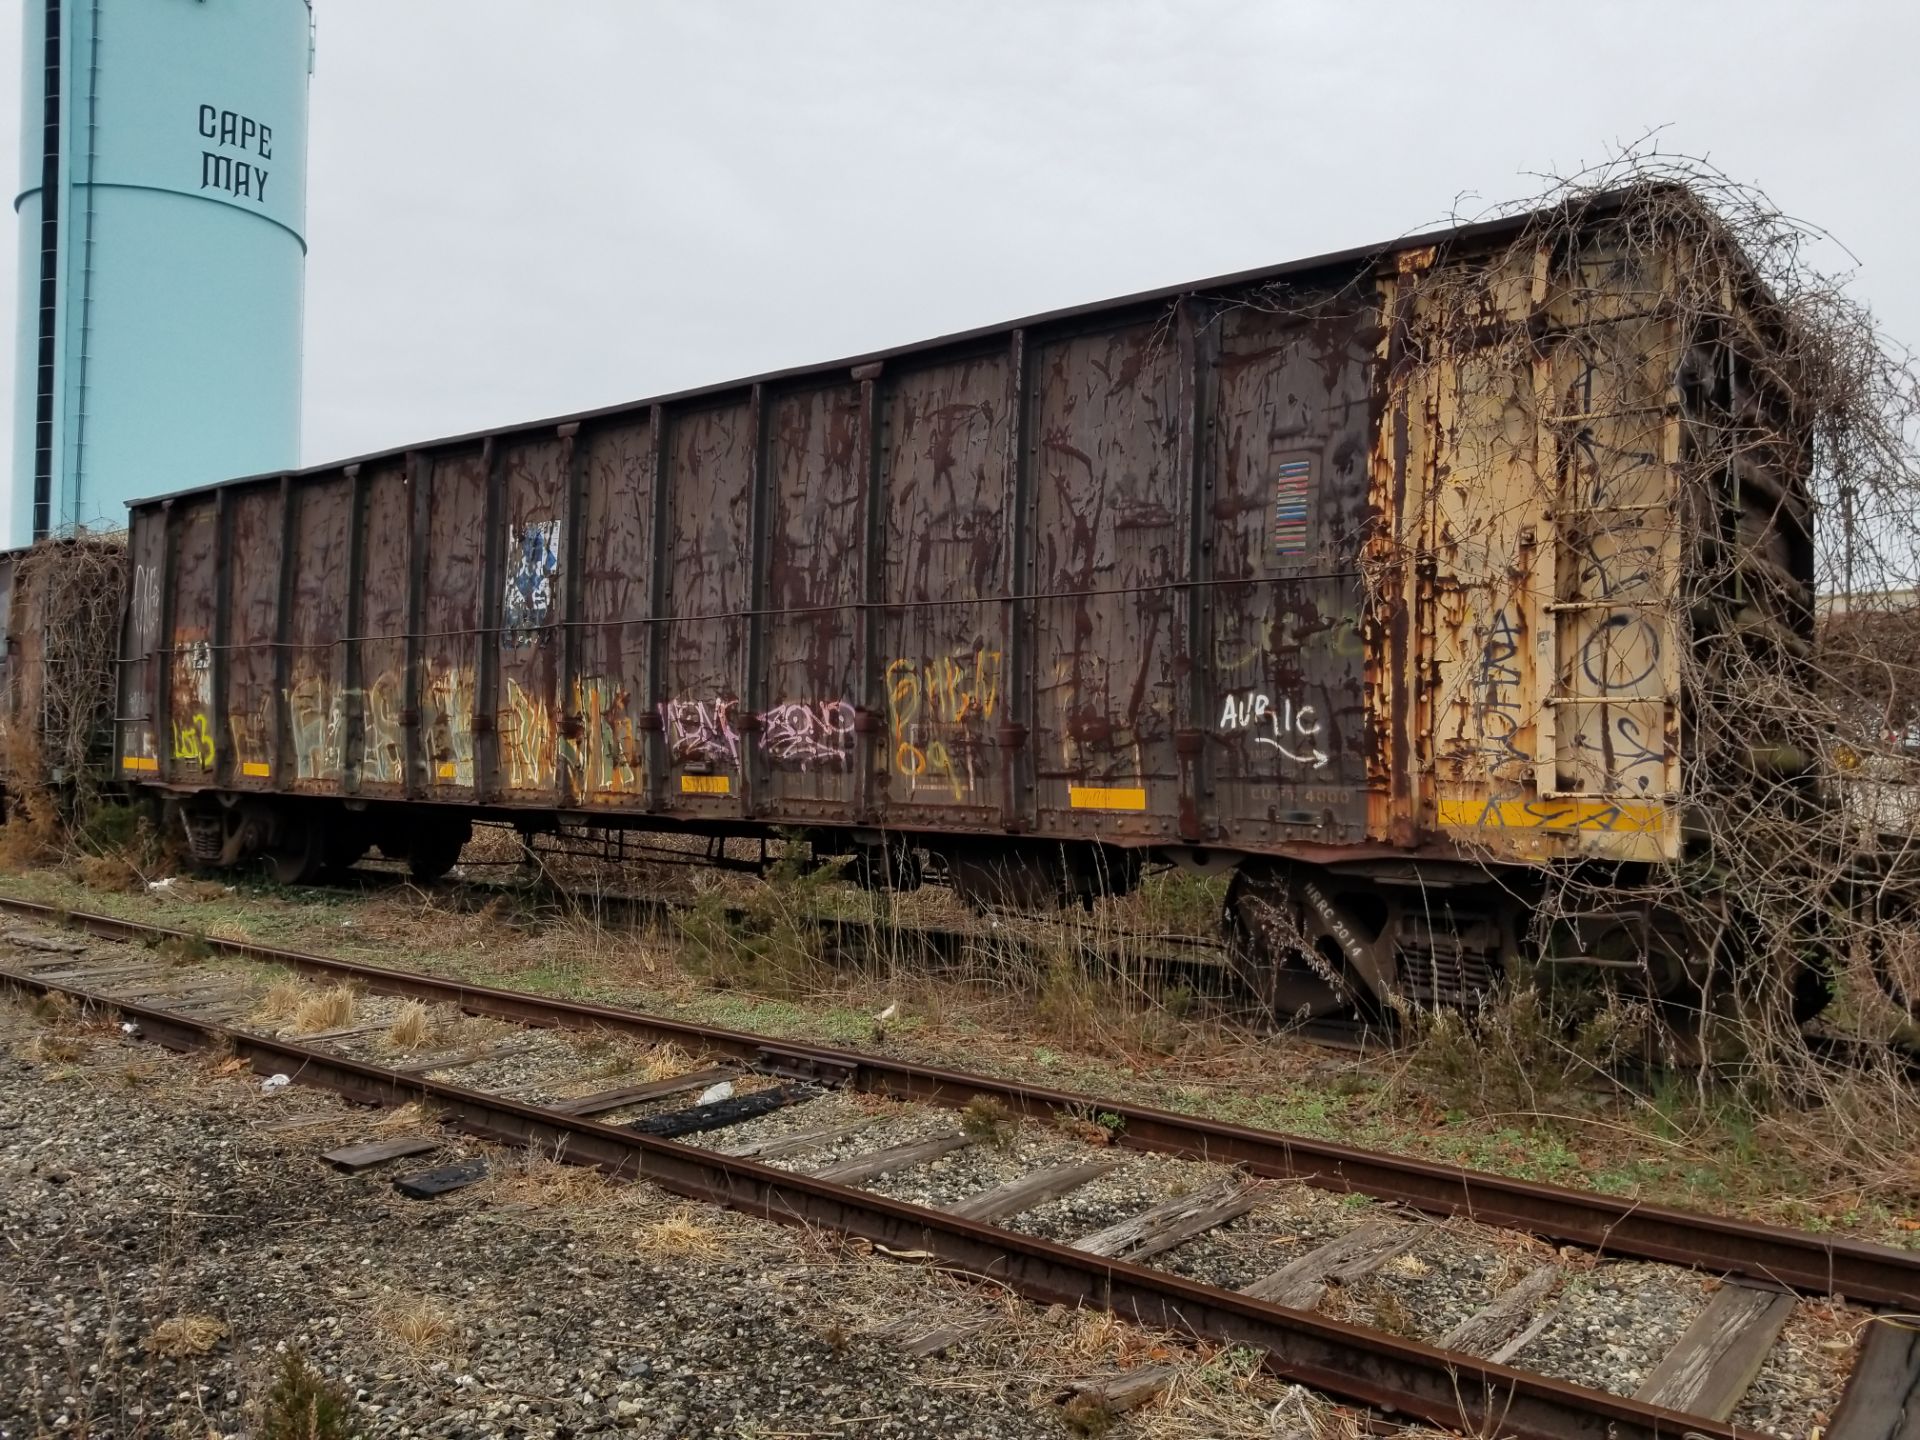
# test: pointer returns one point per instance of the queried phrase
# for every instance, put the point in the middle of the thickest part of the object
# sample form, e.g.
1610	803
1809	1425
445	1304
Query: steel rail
1381	1371
1813	1264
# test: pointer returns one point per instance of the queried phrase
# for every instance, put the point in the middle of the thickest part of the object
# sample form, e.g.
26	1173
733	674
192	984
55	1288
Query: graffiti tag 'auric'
1290	728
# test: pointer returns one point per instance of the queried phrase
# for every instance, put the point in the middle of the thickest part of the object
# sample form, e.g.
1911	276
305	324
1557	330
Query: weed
666	1061
52	1008
55	1049
1391	1314
771	944
1089	1126
1179	902
303	1404
987	1121
184	949
1088	1414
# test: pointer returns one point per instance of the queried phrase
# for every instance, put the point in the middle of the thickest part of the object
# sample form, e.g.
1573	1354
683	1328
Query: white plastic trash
275	1082
715	1093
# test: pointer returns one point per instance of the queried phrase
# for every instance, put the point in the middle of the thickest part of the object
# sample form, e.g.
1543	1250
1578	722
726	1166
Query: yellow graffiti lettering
194	741
605	757
937	707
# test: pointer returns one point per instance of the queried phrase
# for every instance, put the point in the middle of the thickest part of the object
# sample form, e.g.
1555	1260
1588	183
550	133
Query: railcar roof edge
1600	204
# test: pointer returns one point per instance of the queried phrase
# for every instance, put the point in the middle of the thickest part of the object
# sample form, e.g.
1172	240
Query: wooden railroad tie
1710	1367
1171	1222
1340	1261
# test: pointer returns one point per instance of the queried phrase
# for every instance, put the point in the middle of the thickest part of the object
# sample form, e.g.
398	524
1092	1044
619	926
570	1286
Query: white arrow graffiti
1285	721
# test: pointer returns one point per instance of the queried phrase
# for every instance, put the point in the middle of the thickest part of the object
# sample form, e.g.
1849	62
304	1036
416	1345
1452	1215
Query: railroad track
854	1143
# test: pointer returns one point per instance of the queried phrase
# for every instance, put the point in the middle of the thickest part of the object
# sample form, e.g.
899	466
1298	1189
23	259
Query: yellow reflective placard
706	785
1105	797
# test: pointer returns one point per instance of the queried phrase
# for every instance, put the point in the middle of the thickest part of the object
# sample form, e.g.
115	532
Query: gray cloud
518	210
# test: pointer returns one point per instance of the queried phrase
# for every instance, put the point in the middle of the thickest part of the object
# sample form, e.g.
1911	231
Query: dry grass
281	1001
530	1178
53	1049
414	1115
420	1325
186	1335
108	872
665	1061
685	1234
412	1028
326	1009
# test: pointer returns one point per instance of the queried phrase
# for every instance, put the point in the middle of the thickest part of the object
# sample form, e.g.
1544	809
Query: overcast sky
518	209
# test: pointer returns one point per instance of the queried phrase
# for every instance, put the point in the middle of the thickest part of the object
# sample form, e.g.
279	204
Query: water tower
162	211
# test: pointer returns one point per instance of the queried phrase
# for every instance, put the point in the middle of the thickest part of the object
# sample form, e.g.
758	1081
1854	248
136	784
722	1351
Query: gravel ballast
137	1188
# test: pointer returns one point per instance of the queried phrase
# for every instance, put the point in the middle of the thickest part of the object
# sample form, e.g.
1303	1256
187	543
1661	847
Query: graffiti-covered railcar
1367	575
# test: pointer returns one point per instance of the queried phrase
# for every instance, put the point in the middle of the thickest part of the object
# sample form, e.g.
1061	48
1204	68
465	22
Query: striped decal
1101	797
706	785
255	768
139	762
1290	497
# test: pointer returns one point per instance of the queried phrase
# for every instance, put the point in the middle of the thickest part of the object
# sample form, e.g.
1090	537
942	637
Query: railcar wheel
434	847
300	855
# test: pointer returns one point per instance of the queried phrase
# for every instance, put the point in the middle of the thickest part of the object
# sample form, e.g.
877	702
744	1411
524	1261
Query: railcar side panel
192	719
252	700
1547	616
1107	565
714	459
377	689
605	763
811	675
946	507
531	636
449	647
1286	713
315	702
138	740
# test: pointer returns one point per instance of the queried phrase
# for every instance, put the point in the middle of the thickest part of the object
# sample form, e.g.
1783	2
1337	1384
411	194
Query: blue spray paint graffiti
533	560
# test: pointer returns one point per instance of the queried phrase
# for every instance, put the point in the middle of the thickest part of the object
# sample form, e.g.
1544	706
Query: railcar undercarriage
1364	937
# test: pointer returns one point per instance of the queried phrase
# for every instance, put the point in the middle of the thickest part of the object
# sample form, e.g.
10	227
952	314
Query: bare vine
66	607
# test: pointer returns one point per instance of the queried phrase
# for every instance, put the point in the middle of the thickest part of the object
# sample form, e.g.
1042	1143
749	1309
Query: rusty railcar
1365	575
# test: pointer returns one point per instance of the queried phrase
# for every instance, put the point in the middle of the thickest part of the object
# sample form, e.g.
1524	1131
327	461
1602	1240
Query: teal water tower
162	224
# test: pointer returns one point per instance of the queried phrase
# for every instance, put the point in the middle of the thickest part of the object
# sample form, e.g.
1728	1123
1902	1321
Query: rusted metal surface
1288	562
252	689
1818	1264
1378	1370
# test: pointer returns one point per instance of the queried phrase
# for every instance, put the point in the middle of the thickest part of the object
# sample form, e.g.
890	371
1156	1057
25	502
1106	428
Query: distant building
162	216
